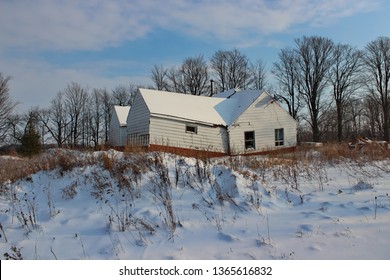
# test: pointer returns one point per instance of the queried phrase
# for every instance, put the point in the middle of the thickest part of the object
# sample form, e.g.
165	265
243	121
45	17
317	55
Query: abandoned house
229	123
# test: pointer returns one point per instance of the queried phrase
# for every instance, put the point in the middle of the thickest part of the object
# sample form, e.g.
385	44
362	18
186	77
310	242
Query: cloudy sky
46	44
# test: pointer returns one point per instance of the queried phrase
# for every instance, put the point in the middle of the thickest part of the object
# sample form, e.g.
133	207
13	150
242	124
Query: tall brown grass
15	168
139	161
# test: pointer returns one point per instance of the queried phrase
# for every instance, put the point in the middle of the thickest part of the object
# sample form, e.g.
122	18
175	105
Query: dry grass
135	149
306	162
162	191
137	162
15	168
336	152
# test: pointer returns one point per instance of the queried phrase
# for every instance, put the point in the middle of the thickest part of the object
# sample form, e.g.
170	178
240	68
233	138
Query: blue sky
46	44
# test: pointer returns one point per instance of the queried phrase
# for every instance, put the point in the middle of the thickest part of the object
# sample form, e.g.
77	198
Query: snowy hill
161	206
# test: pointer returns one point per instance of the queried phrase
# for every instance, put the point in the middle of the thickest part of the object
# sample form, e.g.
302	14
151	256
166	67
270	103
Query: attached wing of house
118	125
121	113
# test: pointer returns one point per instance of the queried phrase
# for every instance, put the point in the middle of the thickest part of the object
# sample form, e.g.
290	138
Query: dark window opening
191	129
279	137
249	140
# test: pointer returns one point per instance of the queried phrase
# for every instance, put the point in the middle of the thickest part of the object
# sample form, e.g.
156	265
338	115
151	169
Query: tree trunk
316	130
339	121
386	125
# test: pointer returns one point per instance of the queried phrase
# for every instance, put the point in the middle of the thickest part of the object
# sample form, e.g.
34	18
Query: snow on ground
160	206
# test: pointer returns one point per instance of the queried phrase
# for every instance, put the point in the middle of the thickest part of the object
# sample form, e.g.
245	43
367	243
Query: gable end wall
263	120
139	117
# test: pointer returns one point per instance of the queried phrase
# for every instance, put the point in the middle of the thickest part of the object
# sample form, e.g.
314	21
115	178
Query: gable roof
183	106
121	113
235	103
221	109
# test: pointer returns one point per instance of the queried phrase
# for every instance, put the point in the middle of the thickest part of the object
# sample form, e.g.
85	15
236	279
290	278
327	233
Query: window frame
248	142
191	129
279	137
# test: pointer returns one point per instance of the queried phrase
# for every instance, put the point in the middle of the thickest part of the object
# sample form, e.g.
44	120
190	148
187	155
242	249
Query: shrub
70	191
14	255
31	141
66	162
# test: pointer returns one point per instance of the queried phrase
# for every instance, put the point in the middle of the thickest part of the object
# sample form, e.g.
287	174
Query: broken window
249	139
191	129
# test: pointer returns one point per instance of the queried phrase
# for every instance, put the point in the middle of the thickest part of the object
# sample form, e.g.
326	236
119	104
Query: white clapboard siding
263	116
117	135
138	118
114	133
172	132
160	118
118	125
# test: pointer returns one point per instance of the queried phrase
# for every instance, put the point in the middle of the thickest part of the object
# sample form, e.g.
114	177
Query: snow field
162	206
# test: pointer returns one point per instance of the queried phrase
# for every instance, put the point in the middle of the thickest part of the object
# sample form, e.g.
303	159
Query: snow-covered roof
235	103
121	113
183	106
221	109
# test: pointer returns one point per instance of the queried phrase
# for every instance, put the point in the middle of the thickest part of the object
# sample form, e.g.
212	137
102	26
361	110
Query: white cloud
93	25
32	27
35	83
68	25
241	20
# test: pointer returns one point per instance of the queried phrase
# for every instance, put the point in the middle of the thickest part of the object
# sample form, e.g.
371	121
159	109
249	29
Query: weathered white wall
263	117
171	132
117	133
114	132
138	118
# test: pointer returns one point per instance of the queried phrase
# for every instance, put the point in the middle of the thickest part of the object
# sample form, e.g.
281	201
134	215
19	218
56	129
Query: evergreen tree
31	141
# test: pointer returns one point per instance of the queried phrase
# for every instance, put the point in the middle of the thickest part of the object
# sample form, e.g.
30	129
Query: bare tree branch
6	106
314	59
377	64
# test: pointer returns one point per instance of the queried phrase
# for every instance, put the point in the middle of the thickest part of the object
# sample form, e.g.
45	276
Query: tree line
334	91
226	70
76	117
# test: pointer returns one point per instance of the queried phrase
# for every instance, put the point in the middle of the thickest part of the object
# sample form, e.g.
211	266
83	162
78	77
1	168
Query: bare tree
219	66
377	62
6	106
56	120
372	114
314	59
232	69
124	95
191	77
159	77
97	115
15	132
121	96
75	99
258	79
353	118
238	70
107	103
286	74
194	71
345	79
